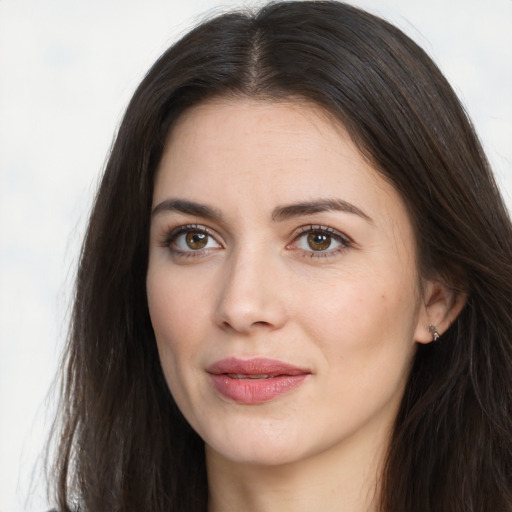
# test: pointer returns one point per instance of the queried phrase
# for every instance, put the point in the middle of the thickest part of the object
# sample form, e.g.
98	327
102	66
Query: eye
320	239
191	239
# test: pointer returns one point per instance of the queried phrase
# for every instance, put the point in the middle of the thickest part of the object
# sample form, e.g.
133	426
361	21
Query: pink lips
254	381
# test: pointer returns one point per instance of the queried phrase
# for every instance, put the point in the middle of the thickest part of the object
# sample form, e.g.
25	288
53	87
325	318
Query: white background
67	70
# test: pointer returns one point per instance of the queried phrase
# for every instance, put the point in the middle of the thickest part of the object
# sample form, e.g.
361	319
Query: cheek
365	336
366	316
176	305
174	321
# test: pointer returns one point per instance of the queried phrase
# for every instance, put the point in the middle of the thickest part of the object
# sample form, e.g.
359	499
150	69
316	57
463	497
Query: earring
432	329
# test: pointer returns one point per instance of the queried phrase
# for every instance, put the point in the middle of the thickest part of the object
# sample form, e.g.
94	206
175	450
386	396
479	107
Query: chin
265	445
257	454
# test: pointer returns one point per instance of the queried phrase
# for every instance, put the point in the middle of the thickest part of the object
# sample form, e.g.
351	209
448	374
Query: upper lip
254	366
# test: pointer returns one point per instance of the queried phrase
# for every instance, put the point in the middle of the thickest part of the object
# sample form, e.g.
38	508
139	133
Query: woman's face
282	283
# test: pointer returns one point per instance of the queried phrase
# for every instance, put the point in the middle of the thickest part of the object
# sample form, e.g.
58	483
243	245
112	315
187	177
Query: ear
440	307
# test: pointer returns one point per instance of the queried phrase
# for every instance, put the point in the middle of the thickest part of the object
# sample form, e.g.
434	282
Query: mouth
251	376
255	381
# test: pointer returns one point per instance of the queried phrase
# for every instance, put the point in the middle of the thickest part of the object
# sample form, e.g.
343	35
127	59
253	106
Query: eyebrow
322	205
187	208
281	213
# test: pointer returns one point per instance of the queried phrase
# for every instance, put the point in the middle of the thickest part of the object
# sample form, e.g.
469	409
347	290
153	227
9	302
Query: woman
295	289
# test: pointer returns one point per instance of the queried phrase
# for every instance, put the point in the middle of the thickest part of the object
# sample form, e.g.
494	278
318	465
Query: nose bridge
249	295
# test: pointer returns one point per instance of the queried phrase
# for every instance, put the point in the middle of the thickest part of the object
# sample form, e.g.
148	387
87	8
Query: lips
255	381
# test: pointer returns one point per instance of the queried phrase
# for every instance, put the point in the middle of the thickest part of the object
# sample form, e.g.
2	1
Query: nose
251	296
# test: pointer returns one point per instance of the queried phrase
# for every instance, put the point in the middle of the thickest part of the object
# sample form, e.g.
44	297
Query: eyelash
344	241
173	235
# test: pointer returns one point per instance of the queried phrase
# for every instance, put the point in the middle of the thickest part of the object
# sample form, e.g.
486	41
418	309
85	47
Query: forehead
263	153
240	136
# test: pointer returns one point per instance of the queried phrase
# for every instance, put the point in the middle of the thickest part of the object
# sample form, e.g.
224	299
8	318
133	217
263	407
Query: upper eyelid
182	216
183	228
318	227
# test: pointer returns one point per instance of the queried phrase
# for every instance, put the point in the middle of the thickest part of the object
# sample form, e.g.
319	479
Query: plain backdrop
67	70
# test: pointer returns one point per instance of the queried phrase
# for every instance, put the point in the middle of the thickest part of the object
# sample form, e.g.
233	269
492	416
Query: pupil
197	240
319	241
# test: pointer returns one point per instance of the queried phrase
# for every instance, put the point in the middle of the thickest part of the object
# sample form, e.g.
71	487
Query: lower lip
255	391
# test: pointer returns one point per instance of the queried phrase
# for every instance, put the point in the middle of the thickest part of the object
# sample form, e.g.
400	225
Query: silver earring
432	329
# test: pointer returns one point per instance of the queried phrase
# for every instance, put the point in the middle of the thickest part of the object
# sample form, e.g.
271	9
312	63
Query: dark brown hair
122	443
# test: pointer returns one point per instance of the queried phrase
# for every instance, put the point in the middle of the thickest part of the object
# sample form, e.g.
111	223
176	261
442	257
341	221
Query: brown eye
319	241
196	240
189	239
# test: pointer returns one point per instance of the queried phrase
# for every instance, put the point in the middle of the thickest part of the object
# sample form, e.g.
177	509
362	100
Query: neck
345	478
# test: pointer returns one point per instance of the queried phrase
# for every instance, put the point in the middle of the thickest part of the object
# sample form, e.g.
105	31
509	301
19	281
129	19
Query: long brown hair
122	443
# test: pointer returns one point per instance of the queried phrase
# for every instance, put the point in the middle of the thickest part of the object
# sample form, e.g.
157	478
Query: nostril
261	323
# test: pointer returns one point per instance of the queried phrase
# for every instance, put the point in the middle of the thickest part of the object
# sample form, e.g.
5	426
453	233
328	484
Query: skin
352	314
